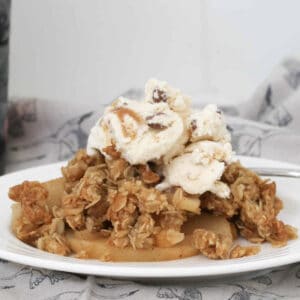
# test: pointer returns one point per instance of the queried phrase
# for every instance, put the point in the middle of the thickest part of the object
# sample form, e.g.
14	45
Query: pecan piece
193	125
112	152
148	176
159	96
157	126
154	124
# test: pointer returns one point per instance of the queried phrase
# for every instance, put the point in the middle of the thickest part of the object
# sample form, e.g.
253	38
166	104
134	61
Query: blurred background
92	51
69	58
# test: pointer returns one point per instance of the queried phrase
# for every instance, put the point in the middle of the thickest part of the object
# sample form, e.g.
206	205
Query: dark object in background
3	109
4	42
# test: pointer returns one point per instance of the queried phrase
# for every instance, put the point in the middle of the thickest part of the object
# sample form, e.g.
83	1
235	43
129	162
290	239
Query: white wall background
92	51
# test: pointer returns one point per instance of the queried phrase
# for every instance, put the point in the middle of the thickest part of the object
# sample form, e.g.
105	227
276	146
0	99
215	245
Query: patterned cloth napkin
41	131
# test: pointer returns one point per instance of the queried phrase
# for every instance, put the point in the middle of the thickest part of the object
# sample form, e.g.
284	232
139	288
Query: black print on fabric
36	276
67	295
230	291
114	289
278	117
247	139
180	294
267	104
7	287
292	76
68	138
266	280
272	114
229	110
298	273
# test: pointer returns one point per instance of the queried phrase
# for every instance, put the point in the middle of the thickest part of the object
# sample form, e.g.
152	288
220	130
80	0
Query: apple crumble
157	181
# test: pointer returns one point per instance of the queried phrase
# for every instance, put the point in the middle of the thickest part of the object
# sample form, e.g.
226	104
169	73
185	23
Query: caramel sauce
121	113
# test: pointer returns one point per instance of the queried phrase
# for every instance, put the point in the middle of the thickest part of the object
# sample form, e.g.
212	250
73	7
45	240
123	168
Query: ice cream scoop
208	124
140	131
199	168
160	91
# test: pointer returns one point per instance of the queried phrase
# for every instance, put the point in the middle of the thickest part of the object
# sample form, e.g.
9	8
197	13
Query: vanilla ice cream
208	124
159	91
140	131
199	168
192	146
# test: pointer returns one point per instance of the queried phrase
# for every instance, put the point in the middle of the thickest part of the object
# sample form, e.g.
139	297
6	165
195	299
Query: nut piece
157	126
193	125
112	152
152	123
159	96
148	176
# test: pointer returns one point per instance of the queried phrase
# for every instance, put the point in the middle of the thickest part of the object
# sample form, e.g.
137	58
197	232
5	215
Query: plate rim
115	271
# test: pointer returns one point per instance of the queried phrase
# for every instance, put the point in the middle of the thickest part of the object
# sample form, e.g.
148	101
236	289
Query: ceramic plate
14	250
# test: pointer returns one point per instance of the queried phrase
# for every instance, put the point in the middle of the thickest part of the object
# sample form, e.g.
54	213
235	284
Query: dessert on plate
157	181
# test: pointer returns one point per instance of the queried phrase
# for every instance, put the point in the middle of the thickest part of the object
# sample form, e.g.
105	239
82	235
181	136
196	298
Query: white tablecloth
41	131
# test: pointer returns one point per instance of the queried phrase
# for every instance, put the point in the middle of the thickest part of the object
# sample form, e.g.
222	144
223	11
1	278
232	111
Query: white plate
14	250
